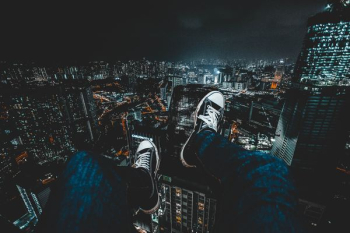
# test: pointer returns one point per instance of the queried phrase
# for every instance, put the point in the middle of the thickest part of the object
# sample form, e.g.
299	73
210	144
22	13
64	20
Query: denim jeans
258	192
91	196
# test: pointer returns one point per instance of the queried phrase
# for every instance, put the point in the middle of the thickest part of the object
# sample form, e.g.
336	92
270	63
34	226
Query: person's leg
89	197
258	192
95	195
146	196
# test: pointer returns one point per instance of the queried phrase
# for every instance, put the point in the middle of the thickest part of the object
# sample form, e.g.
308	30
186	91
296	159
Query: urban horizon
292	105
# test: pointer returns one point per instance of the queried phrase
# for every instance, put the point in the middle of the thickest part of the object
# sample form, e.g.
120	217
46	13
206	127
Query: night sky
162	30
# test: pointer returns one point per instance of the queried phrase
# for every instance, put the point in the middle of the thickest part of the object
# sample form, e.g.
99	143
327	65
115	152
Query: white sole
184	163
155	208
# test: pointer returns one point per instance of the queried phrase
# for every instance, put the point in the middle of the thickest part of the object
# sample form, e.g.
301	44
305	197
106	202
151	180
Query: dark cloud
190	22
155	29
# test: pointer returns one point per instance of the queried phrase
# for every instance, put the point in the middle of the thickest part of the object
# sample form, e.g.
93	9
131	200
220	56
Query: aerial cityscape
294	108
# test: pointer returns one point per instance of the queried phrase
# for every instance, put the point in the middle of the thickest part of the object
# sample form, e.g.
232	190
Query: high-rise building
163	90
314	122
312	128
325	56
81	108
189	209
225	74
27	206
240	85
46	119
201	79
176	81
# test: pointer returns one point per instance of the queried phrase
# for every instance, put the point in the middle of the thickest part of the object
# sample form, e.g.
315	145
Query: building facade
312	128
47	119
313	125
185	209
325	55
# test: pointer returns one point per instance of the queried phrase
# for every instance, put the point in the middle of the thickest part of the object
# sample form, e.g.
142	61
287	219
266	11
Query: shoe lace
143	160
210	119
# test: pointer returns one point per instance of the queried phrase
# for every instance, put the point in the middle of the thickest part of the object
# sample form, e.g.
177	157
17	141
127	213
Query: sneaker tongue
216	99
215	106
144	150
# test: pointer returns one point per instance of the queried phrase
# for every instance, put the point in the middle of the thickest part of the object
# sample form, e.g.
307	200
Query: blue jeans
91	196
258	192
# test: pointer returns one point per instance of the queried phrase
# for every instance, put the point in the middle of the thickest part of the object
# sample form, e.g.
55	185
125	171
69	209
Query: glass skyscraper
314	123
325	56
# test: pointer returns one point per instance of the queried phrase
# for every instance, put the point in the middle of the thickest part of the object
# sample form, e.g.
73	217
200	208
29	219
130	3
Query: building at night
240	85
176	81
325	55
47	119
313	126
31	204
185	207
163	90
314	123
225	74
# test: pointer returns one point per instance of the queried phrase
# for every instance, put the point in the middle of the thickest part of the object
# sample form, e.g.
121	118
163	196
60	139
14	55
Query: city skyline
70	95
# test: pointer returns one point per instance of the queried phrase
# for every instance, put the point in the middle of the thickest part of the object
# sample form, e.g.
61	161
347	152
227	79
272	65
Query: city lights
291	106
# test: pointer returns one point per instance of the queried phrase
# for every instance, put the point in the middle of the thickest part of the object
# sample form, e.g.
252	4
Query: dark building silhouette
312	129
313	126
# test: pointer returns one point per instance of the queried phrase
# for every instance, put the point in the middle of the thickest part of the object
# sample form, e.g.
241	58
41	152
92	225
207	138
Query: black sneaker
148	159
208	115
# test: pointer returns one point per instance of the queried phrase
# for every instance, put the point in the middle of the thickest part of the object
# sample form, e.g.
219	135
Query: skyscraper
176	81
47	118
312	128
314	122
325	56
185	207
